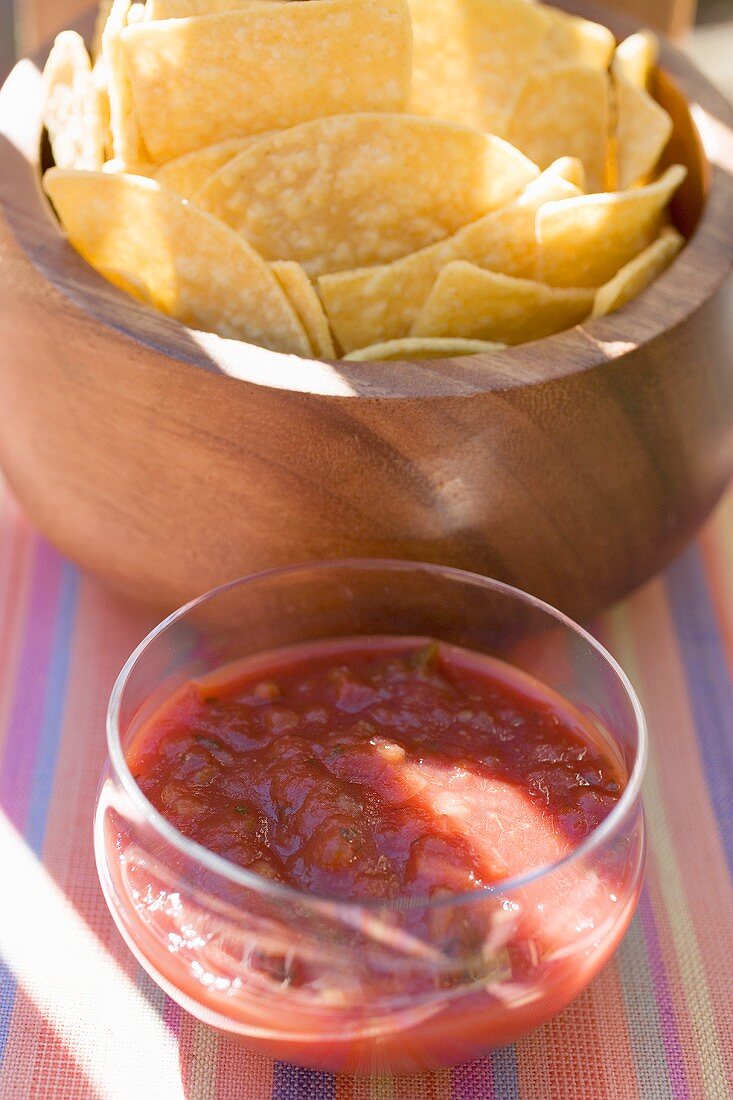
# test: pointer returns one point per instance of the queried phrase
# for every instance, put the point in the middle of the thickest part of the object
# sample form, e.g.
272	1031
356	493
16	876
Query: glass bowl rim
241	876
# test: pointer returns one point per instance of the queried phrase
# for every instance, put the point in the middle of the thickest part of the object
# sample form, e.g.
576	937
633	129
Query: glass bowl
368	987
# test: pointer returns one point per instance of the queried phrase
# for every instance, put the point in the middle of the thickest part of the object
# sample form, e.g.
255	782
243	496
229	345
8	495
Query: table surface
78	1017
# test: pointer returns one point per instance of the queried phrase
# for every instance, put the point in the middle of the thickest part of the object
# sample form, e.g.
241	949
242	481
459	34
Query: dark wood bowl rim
694	277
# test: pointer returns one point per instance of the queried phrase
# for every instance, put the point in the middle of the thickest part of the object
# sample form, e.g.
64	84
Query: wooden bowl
168	460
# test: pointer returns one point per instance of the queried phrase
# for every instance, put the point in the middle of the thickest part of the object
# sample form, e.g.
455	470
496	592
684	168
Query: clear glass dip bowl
398	986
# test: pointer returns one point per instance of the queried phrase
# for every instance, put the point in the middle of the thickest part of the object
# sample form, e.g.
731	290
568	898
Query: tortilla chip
205	79
188	174
469	57
126	139
183	9
302	296
191	266
374	304
635	58
572	38
352	190
584	241
73	111
104	7
468	301
422	347
571	169
136	13
636	275
643	129
565	110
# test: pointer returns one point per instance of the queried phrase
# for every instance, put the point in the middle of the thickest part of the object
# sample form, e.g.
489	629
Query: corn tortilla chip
104	7
635	58
572	38
467	55
352	190
422	347
302	296
636	275
374	304
126	140
584	241
643	129
182	9
191	266
204	79
571	169
565	110
188	174
468	301
74	111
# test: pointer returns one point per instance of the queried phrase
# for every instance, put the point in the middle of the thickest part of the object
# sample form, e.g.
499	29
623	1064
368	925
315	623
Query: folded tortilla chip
565	110
584	241
374	304
635	58
422	347
638	273
74	110
306	303
268	66
351	190
643	129
468	301
180	259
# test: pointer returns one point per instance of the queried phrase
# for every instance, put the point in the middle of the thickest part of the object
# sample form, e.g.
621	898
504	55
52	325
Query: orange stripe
586	1051
241	1073
15	601
426	1086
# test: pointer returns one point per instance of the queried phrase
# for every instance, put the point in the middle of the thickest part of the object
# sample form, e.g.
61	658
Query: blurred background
704	29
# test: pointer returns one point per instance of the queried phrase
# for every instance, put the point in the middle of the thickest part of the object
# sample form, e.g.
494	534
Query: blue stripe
53	710
506	1081
52	721
7	999
295	1083
708	681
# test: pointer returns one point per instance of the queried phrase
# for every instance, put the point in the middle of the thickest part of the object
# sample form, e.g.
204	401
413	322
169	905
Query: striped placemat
79	1019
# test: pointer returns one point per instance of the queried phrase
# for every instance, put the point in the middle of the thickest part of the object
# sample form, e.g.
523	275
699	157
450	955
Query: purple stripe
295	1083
473	1081
172	1017
31	681
663	997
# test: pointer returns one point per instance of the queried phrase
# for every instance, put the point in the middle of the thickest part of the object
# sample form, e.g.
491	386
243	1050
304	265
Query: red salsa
377	768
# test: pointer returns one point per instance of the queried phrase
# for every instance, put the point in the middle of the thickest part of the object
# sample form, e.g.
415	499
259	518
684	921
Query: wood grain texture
168	460
672	17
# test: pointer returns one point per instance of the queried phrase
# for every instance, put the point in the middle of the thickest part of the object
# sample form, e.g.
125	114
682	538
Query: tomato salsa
377	768
398	787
